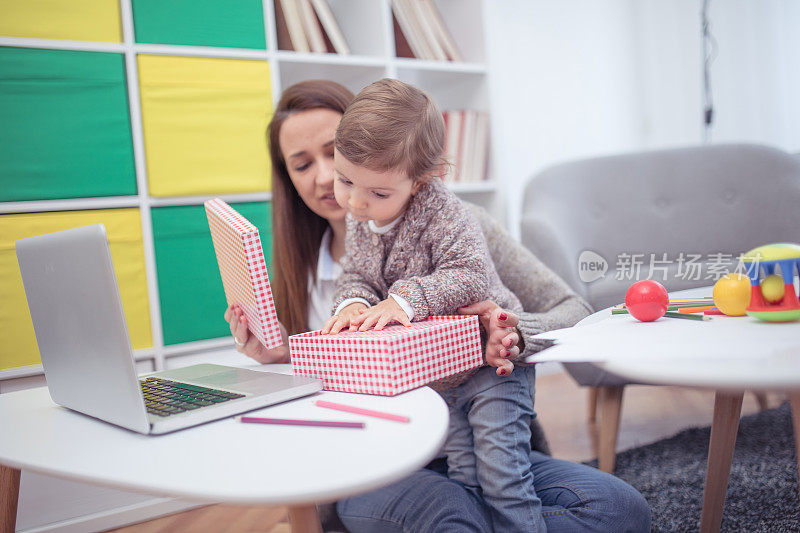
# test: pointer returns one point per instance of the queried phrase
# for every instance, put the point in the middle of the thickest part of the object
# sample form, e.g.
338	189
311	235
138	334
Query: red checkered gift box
243	269
390	361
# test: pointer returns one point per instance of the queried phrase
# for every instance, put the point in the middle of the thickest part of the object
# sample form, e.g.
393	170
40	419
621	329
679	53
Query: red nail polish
502	371
503	316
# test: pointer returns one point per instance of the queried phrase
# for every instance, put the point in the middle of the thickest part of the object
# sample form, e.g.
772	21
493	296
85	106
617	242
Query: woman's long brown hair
296	230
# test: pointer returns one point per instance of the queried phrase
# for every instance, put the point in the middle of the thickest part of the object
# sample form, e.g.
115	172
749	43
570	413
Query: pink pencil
361	411
290	422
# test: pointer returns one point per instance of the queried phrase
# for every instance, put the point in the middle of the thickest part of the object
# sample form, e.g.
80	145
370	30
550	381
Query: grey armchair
709	203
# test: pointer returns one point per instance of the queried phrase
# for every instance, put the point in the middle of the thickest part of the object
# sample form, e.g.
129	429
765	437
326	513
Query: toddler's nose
356	201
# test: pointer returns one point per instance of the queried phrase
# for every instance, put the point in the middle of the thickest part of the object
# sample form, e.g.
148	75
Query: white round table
226	460
747	368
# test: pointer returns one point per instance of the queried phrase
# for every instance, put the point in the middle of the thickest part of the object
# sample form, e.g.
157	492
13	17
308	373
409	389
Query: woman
308	242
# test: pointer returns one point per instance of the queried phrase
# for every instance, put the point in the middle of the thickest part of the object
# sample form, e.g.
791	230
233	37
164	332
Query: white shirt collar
382	230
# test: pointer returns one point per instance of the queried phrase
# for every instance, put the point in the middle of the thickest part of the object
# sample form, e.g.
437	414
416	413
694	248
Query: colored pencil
677	305
361	411
671	307
623	311
713	311
291	422
695	309
670	314
673	314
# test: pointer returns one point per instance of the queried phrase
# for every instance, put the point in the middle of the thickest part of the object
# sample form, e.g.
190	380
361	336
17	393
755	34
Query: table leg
794	399
304	519
592	405
727	410
9	496
610	405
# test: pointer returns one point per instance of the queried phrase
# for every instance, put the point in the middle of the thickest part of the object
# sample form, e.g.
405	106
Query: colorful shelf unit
134	112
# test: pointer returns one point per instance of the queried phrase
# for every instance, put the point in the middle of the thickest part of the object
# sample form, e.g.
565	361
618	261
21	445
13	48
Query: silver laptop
86	353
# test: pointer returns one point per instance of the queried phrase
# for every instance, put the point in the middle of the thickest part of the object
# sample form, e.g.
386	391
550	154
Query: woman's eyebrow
303	152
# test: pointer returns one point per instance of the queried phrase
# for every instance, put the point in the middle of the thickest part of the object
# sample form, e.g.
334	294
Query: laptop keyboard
165	398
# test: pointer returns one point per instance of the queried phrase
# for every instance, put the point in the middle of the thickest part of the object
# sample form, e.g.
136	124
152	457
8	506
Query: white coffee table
224	461
730	377
730	355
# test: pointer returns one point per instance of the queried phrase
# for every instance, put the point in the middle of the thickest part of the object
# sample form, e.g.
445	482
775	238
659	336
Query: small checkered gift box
243	270
390	361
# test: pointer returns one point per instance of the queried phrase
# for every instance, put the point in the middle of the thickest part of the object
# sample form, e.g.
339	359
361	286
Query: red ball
647	300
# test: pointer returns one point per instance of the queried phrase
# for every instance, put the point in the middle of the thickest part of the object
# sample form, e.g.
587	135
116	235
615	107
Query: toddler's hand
379	316
344	318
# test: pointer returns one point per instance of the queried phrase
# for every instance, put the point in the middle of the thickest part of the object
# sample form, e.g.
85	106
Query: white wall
578	78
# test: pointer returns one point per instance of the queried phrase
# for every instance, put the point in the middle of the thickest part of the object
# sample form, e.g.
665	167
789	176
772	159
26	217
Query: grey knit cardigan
436	259
547	300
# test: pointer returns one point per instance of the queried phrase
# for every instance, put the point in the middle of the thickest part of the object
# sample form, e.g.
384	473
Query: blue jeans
489	444
574	497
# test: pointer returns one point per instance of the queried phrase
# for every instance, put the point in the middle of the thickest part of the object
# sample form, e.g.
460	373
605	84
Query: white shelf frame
159	355
130	49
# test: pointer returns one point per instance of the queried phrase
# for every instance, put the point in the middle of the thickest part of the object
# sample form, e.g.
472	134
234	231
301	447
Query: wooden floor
648	414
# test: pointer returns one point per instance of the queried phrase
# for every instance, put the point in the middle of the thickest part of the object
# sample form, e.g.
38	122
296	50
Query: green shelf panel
238	24
189	283
66	129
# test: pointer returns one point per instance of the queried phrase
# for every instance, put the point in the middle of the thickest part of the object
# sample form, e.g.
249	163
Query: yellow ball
773	288
732	294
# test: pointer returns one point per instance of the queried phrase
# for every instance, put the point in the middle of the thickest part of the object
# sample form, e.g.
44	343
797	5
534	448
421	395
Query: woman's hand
380	315
337	322
502	343
249	345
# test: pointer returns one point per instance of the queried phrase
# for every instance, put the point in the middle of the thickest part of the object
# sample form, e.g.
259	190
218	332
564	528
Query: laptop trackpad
239	379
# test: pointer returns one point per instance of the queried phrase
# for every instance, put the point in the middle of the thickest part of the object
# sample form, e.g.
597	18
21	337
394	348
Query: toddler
414	251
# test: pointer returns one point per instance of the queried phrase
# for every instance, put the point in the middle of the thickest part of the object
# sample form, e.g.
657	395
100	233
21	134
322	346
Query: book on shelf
419	24
312	27
308	26
481	144
452	136
282	28
294	25
332	29
427	30
466	145
443	34
404	19
401	46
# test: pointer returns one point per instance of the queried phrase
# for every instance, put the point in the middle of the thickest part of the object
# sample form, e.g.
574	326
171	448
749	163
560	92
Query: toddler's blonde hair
391	125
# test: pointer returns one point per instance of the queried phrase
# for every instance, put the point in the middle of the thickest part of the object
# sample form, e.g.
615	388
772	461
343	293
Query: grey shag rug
762	489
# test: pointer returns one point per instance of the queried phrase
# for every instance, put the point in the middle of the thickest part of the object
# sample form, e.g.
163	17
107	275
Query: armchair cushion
709	203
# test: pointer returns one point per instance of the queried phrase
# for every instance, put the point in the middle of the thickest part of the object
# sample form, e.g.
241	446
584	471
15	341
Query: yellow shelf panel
84	20
17	339
205	122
